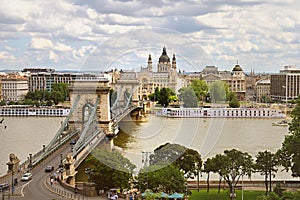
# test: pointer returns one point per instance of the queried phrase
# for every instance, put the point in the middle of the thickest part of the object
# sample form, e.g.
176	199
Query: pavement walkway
58	189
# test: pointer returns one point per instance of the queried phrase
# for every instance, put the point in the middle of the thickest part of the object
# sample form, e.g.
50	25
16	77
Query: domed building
164	77
237	83
235	79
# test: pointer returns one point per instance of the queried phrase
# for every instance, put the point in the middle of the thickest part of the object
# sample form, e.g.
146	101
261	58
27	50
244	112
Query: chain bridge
96	109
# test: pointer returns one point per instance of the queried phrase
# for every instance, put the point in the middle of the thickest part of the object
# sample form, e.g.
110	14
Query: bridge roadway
35	188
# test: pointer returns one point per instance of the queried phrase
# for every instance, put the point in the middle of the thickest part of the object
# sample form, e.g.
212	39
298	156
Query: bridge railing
41	155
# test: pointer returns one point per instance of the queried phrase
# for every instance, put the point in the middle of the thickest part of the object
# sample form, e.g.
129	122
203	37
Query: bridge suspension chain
84	135
59	133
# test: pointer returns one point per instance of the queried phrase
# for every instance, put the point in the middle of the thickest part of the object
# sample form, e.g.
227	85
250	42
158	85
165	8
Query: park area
224	195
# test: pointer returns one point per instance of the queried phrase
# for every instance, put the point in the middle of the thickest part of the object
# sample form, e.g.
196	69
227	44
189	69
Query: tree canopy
164	96
187	160
189	98
110	169
289	153
158	178
200	88
232	165
217	92
266	163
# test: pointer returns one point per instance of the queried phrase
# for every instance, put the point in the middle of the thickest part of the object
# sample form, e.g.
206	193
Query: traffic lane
35	189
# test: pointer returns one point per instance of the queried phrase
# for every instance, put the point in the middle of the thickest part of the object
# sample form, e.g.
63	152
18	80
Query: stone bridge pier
89	90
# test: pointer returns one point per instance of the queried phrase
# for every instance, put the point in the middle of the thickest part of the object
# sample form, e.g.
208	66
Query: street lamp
30	161
61	161
242	185
88	172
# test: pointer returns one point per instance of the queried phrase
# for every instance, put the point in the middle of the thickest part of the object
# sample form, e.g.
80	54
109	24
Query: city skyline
67	35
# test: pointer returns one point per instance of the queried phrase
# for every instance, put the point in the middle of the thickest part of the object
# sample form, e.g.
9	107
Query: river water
25	135
208	136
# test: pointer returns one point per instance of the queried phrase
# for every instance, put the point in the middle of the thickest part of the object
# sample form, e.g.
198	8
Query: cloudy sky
263	35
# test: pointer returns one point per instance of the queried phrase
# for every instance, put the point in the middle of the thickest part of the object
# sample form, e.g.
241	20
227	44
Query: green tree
2	103
189	98
233	103
217	92
110	169
186	159
266	164
56	97
164	96
289	152
234	164
209	166
162	178
200	88
61	88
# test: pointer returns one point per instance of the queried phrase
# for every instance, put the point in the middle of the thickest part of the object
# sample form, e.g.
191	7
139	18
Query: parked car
4	186
49	168
26	177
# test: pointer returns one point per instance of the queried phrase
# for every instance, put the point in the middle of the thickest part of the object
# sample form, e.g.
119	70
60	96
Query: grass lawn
224	194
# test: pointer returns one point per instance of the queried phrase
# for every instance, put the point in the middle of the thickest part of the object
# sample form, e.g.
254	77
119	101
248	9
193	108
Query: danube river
208	136
25	135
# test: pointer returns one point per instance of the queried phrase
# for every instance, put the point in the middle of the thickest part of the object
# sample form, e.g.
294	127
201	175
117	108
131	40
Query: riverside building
285	86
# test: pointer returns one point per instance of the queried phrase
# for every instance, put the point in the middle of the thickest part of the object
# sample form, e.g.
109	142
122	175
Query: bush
278	190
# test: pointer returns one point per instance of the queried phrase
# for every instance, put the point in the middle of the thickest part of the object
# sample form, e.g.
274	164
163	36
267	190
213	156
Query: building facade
285	86
262	89
235	79
14	87
164	77
45	80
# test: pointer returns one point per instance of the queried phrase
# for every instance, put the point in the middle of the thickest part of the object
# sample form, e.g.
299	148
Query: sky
80	35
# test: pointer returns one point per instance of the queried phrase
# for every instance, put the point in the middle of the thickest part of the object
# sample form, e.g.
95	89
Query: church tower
149	63
174	62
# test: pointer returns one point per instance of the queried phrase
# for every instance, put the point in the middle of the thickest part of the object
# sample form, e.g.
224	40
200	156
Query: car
49	168
72	142
4	186
26	177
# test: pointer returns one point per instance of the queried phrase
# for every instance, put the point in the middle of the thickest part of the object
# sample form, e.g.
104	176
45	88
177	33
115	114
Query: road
35	188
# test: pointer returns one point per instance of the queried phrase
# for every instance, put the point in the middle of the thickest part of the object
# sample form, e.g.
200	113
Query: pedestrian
51	181
76	190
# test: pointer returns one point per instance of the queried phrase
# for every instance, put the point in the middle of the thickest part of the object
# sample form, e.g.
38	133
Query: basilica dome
164	57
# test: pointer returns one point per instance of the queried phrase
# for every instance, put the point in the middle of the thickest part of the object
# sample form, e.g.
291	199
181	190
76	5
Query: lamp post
88	172
61	161
145	161
30	161
242	185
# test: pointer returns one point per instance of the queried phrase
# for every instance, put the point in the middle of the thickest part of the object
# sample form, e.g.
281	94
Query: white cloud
40	44
53	56
6	55
62	47
66	31
9	48
247	46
